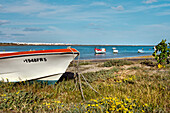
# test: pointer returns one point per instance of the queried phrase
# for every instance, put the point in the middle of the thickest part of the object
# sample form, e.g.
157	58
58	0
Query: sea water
87	52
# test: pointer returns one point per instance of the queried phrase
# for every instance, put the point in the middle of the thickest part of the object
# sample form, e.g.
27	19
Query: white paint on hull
17	69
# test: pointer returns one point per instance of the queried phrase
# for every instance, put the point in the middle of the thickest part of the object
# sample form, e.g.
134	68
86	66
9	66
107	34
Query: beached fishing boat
39	65
100	51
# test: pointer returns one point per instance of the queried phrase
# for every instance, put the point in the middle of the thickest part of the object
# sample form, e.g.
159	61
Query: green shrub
162	47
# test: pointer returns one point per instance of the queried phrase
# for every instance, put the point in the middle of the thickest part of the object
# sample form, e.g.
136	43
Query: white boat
140	51
100	51
115	50
39	65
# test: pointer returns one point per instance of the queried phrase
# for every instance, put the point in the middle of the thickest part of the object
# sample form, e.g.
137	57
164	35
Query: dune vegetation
126	86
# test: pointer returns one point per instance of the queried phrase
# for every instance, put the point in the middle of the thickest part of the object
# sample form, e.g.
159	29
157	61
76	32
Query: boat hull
48	66
100	52
115	51
140	51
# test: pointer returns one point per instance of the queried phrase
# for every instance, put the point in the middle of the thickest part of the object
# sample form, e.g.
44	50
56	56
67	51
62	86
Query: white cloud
4	22
98	4
17	34
27	7
143	8
149	1
0	6
33	29
59	10
2	34
118	8
37	8
163	13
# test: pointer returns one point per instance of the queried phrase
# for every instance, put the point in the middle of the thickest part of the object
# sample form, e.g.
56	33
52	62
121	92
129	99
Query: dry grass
145	87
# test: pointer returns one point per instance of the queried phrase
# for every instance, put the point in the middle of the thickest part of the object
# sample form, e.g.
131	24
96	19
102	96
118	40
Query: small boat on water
100	51
114	50
140	51
35	65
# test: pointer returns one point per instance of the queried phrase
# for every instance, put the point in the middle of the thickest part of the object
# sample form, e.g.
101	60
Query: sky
115	22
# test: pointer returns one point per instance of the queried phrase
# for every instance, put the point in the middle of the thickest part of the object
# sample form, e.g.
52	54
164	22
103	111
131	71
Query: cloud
143	8
58	11
2	34
98	4
149	1
0	6
33	29
17	34
93	26
35	7
163	13
27	7
118	8
4	22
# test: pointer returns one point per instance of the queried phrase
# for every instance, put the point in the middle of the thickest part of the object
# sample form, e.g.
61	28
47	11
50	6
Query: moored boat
114	50
39	65
140	51
100	51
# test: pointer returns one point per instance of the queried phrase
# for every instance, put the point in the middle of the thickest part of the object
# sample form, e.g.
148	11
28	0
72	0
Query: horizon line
68	44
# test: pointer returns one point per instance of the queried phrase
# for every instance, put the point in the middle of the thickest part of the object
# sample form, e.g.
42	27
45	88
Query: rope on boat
77	73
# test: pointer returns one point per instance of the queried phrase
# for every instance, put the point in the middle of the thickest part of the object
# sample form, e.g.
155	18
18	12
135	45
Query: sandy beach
126	58
93	65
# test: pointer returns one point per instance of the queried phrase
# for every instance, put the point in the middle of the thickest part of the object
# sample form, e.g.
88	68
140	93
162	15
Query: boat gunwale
37	55
39	52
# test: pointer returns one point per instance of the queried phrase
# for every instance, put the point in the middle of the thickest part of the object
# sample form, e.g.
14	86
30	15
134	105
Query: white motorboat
140	51
35	65
114	50
100	51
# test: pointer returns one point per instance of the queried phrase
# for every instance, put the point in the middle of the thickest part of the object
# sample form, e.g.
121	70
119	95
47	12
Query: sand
94	65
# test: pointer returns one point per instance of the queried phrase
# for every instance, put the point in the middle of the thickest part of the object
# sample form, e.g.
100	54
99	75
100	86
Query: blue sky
85	21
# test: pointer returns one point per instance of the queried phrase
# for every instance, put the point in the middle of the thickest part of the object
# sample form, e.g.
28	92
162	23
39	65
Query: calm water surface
87	52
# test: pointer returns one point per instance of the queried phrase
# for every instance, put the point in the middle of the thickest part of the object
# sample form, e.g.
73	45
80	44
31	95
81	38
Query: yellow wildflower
160	66
146	104
58	102
126	109
17	93
93	105
131	107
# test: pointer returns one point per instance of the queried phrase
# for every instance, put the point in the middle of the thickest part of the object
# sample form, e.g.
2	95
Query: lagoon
87	52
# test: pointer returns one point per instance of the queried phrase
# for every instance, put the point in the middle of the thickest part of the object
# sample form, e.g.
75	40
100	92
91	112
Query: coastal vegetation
123	86
162	57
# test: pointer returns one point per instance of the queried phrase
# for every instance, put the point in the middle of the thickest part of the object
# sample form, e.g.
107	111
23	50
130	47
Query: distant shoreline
59	44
